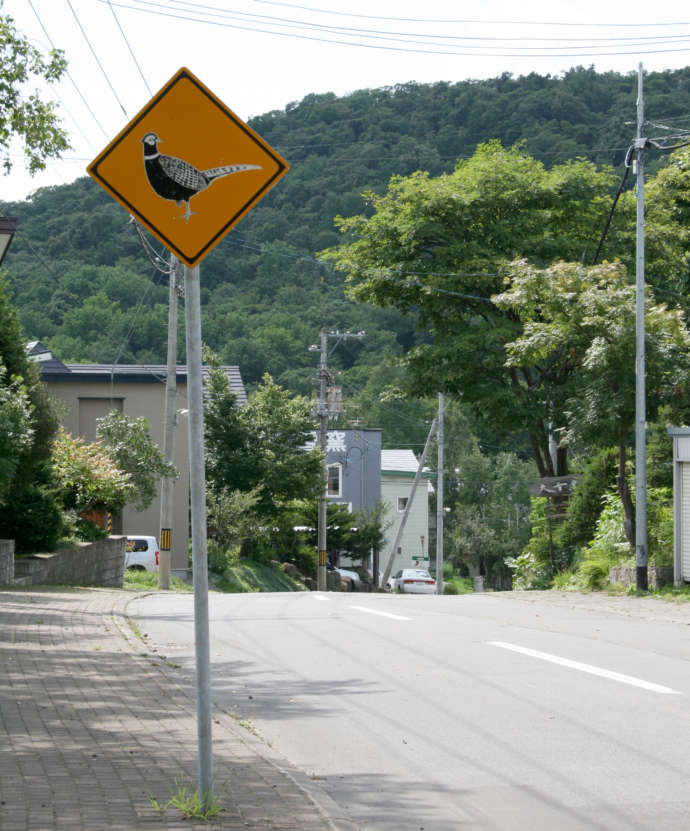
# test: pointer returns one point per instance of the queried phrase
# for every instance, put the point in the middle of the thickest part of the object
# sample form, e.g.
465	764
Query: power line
96	58
69	75
464	20
171	12
215	11
131	51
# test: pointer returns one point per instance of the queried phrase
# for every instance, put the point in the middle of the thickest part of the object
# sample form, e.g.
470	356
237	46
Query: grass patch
458	585
136	578
189	802
675	594
251	576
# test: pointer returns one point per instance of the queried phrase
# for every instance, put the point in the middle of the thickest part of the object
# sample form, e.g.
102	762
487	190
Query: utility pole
439	499
322	411
323	414
197	482
167	482
640	402
410	500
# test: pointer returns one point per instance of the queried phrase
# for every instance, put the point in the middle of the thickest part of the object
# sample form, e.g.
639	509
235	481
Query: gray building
353	458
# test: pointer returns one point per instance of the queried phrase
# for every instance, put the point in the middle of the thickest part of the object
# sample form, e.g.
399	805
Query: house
353	458
398	470
91	391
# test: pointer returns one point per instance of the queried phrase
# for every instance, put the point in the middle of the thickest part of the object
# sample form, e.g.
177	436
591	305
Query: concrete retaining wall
6	562
656	575
99	563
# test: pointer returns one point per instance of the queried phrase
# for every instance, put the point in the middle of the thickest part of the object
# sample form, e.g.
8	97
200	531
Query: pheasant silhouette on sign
178	180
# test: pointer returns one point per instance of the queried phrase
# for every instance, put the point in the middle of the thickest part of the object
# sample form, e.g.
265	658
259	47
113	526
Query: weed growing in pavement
189	802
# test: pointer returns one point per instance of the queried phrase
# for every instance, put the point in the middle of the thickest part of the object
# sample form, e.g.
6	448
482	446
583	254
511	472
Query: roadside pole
406	513
197	479
321	580
640	392
439	500
167	482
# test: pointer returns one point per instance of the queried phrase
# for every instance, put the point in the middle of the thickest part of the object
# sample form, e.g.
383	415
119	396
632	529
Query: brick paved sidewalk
91	726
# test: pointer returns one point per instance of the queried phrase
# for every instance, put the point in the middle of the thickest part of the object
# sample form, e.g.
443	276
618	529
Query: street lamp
8	225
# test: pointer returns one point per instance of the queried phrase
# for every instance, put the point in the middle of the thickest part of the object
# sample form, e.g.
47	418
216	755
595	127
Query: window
334	480
402	503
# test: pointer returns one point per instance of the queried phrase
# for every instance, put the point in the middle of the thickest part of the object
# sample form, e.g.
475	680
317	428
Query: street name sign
187	168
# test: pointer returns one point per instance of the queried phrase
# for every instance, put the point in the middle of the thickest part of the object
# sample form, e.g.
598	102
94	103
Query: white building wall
417	525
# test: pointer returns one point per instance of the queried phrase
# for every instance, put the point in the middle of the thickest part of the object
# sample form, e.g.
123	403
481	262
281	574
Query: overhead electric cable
151	9
628	157
131	51
234	14
97	59
67	72
463	20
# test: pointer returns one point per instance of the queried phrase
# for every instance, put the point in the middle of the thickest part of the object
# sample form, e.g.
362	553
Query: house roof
403	463
52	369
398	461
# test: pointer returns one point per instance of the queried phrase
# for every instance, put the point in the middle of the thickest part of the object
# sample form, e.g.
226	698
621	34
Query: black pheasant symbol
178	180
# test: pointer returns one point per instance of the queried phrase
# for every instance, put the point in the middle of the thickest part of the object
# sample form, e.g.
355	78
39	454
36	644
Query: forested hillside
83	284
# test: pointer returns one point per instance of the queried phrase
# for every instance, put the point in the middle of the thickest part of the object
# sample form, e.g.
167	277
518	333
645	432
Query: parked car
141	552
413	581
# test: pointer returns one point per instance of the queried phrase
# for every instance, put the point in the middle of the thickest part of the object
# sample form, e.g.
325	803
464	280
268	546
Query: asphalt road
466	712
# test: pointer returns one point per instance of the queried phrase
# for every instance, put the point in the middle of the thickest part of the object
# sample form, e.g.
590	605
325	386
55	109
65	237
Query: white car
413	581
141	552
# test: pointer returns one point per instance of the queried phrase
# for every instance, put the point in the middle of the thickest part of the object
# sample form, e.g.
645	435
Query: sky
261	55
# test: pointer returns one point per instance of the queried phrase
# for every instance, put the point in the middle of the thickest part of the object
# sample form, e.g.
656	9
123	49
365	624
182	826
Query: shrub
32	518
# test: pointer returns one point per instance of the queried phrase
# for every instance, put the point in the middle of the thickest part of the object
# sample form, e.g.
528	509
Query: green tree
438	247
580	322
87	477
29	118
129	444
261	445
26	404
16	431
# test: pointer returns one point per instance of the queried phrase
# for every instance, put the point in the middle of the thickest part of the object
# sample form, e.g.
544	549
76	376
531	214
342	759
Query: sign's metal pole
197	480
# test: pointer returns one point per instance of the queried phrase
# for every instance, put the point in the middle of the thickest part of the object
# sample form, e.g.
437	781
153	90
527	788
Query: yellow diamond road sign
187	167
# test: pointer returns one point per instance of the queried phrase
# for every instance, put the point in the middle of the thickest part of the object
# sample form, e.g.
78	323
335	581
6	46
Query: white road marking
319	597
382	614
604	673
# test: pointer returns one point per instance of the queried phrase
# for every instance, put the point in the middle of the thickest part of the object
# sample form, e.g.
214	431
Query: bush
32	517
218	556
305	558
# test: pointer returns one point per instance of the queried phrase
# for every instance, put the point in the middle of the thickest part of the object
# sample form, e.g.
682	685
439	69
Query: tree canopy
32	120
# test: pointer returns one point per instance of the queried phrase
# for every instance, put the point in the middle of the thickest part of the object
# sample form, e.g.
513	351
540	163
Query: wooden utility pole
321	579
324	414
439	500
170	417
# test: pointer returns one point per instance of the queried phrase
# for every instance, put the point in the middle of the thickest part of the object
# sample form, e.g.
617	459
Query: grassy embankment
244	576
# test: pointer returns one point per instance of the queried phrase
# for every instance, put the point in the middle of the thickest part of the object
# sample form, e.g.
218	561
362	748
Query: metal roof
52	369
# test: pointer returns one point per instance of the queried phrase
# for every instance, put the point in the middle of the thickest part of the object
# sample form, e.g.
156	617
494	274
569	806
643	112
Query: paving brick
90	726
